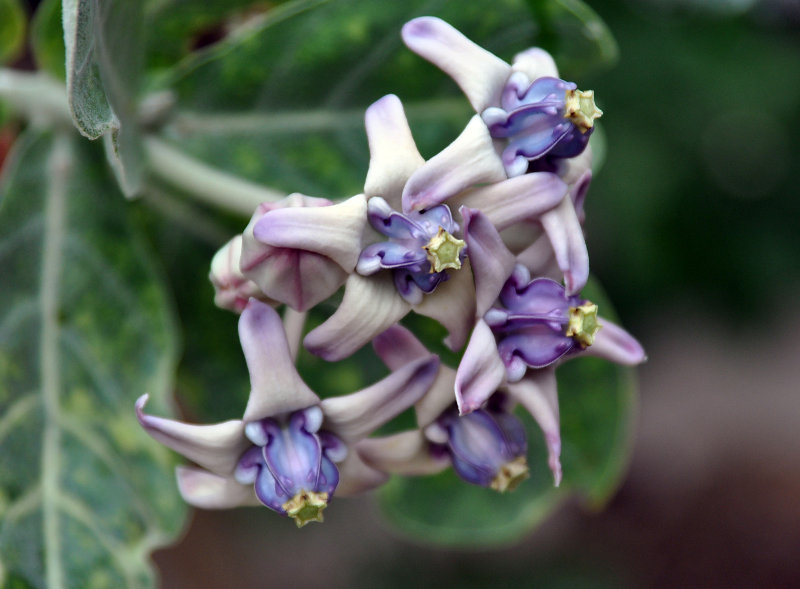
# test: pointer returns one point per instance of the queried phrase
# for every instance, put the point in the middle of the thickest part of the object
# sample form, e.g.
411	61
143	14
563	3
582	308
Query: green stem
38	97
204	182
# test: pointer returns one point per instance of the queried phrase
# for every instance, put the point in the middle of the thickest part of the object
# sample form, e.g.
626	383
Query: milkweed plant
445	272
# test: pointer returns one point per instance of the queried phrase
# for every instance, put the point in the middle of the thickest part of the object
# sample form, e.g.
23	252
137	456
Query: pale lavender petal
491	261
566	236
393	153
452	305
538	393
356	477
397	346
299	279
541	297
407	453
354	416
369	306
275	386
231	289
334	232
539	258
535	63
480	74
215	447
480	372
468	161
207	490
516	199
617	345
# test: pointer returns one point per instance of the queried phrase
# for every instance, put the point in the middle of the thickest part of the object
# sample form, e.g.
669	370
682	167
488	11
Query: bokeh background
693	230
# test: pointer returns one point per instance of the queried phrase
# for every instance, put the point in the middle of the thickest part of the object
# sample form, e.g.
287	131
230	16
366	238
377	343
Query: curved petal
536	346
407	453
480	74
537	392
388	254
516	199
480	372
397	346
535	63
215	447
334	232
393	153
369	306
275	385
357	477
490	258
299	279
207	490
617	345
566	236
539	258
469	160
452	305
354	416
231	289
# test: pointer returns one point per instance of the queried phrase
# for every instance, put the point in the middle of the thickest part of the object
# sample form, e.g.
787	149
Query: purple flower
421	247
525	103
487	447
290	451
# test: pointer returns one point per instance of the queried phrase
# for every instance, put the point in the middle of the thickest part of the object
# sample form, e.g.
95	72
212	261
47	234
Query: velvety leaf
12	29
47	39
104	42
597	401
85	494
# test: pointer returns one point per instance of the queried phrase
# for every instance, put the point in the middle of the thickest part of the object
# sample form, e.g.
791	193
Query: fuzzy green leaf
85	494
104	49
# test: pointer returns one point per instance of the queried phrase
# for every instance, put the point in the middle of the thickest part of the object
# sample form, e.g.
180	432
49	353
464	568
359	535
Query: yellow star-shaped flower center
306	506
583	325
511	474
579	107
444	251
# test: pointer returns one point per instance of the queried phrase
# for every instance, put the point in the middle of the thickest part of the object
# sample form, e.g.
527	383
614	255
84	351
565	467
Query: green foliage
12	29
85	494
597	403
104	64
47	38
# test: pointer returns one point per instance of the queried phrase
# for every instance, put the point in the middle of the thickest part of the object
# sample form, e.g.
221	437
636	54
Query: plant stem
204	182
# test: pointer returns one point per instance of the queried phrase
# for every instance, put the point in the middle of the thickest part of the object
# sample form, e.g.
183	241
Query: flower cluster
485	237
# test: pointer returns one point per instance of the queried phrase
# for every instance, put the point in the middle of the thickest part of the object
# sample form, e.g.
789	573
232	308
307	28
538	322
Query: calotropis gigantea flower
374	302
524	105
548	138
486	447
301	249
291	450
516	348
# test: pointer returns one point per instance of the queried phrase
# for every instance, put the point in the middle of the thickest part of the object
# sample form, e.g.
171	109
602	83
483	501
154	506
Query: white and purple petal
480	74
275	385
